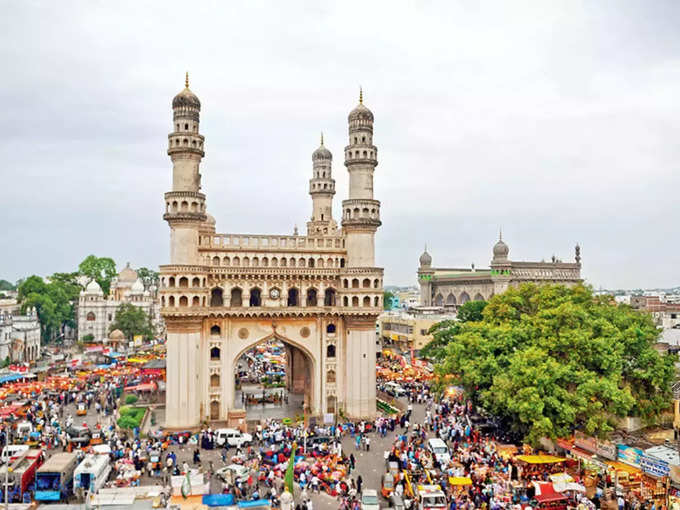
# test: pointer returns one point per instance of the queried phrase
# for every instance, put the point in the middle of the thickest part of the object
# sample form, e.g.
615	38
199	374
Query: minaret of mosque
360	212
185	204
322	189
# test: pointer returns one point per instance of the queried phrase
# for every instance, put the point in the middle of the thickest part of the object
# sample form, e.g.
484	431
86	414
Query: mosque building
451	287
224	293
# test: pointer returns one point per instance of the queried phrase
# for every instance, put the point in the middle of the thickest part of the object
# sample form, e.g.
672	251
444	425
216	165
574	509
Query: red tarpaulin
150	386
548	493
7	410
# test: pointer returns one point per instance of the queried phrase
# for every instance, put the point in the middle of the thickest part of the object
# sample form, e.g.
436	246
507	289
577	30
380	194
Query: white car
232	437
369	500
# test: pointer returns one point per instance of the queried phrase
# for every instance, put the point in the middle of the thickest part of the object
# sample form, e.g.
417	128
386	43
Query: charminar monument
319	293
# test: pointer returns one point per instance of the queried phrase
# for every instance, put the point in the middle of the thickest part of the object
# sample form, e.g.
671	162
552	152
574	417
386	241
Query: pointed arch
464	298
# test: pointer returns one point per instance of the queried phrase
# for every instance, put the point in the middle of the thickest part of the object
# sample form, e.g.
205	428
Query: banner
584	442
654	467
606	449
629	455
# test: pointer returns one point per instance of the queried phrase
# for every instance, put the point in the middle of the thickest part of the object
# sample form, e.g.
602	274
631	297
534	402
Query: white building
97	312
19	337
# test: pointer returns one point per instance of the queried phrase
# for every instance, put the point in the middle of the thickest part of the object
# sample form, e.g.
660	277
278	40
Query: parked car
233	473
232	437
369	500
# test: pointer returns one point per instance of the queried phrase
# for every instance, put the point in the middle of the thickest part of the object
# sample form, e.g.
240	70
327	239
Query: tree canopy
148	276
444	331
132	320
5	285
549	360
53	301
100	269
387	300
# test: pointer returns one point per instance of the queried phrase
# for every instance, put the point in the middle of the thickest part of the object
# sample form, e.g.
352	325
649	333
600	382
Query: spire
186	79
500	233
361	95
321	138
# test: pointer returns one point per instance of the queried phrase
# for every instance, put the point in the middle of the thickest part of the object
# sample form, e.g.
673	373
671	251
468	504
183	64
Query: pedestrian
368	443
360	482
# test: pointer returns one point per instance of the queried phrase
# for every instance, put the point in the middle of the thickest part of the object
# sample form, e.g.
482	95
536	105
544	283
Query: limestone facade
319	293
97	312
452	287
19	337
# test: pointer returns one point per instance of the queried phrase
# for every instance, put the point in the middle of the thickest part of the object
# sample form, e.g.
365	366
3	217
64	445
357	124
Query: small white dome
93	288
137	287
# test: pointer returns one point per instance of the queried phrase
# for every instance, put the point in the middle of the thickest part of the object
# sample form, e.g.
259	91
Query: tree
387	300
471	311
148	276
5	285
100	269
444	331
549	360
132	320
53	301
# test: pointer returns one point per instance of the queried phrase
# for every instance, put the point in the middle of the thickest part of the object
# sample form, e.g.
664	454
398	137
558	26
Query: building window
330	351
329	297
330	376
236	297
293	297
216	297
255	297
215	330
91	316
214	381
311	297
215	354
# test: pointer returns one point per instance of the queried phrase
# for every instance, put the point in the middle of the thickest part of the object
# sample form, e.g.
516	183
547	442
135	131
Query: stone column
184	392
359	367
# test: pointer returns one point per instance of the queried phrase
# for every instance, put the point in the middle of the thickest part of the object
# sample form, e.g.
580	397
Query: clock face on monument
274	294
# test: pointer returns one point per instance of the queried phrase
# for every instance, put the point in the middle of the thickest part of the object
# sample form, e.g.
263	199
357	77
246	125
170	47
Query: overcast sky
557	121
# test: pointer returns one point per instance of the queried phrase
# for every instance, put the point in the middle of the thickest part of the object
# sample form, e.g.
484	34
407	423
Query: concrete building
409	329
452	287
19	337
222	294
665	315
96	312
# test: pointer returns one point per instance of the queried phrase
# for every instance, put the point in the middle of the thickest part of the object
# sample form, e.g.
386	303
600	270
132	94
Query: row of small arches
451	300
215	330
325	186
275	262
183	282
359	213
359	154
184	206
185	143
194	127
293	297
365	283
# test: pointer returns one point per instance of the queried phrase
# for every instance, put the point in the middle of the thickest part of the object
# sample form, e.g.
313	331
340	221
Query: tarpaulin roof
540	459
218	499
545	493
460	480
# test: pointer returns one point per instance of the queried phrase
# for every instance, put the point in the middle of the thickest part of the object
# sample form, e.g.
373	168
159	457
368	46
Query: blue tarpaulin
10	378
218	499
253	504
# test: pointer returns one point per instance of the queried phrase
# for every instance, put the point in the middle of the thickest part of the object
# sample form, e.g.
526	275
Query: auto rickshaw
388	482
81	409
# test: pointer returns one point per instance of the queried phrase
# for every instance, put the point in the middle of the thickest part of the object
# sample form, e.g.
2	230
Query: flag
288	479
186	486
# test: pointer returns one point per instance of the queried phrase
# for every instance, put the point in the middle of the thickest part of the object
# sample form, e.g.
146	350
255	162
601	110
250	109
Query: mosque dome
117	335
127	275
425	259
500	250
210	219
186	98
93	288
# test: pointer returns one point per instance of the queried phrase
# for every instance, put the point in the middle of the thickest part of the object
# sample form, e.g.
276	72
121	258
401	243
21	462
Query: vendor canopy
459	481
540	459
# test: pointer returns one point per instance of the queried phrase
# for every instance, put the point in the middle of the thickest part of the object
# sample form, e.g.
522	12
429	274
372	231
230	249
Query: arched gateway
246	289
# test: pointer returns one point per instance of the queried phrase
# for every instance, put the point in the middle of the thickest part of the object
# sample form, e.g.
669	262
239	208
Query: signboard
584	442
654	467
675	474
629	455
138	340
329	418
606	449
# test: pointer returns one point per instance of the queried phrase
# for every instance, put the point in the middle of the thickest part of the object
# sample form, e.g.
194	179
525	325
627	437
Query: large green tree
132	320
549	360
100	269
5	285
387	300
53	301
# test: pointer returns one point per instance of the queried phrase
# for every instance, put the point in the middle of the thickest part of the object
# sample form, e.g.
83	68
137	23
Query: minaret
322	189
360	220
185	205
361	213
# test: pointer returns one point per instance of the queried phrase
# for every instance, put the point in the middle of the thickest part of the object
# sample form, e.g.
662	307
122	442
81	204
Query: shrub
131	399
131	417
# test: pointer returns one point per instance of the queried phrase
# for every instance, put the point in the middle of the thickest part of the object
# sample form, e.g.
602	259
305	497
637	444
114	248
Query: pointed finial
186	79
295	231
425	246
361	95
321	137
500	234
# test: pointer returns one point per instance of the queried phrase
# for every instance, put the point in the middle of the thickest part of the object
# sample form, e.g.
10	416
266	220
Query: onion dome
321	152
117	335
127	275
361	112
93	288
500	249
186	97
425	259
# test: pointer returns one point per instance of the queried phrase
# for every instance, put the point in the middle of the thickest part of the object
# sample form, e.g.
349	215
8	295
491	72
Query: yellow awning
540	459
460	480
620	466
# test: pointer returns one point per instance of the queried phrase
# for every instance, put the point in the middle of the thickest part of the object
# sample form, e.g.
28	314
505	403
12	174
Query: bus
54	480
92	473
